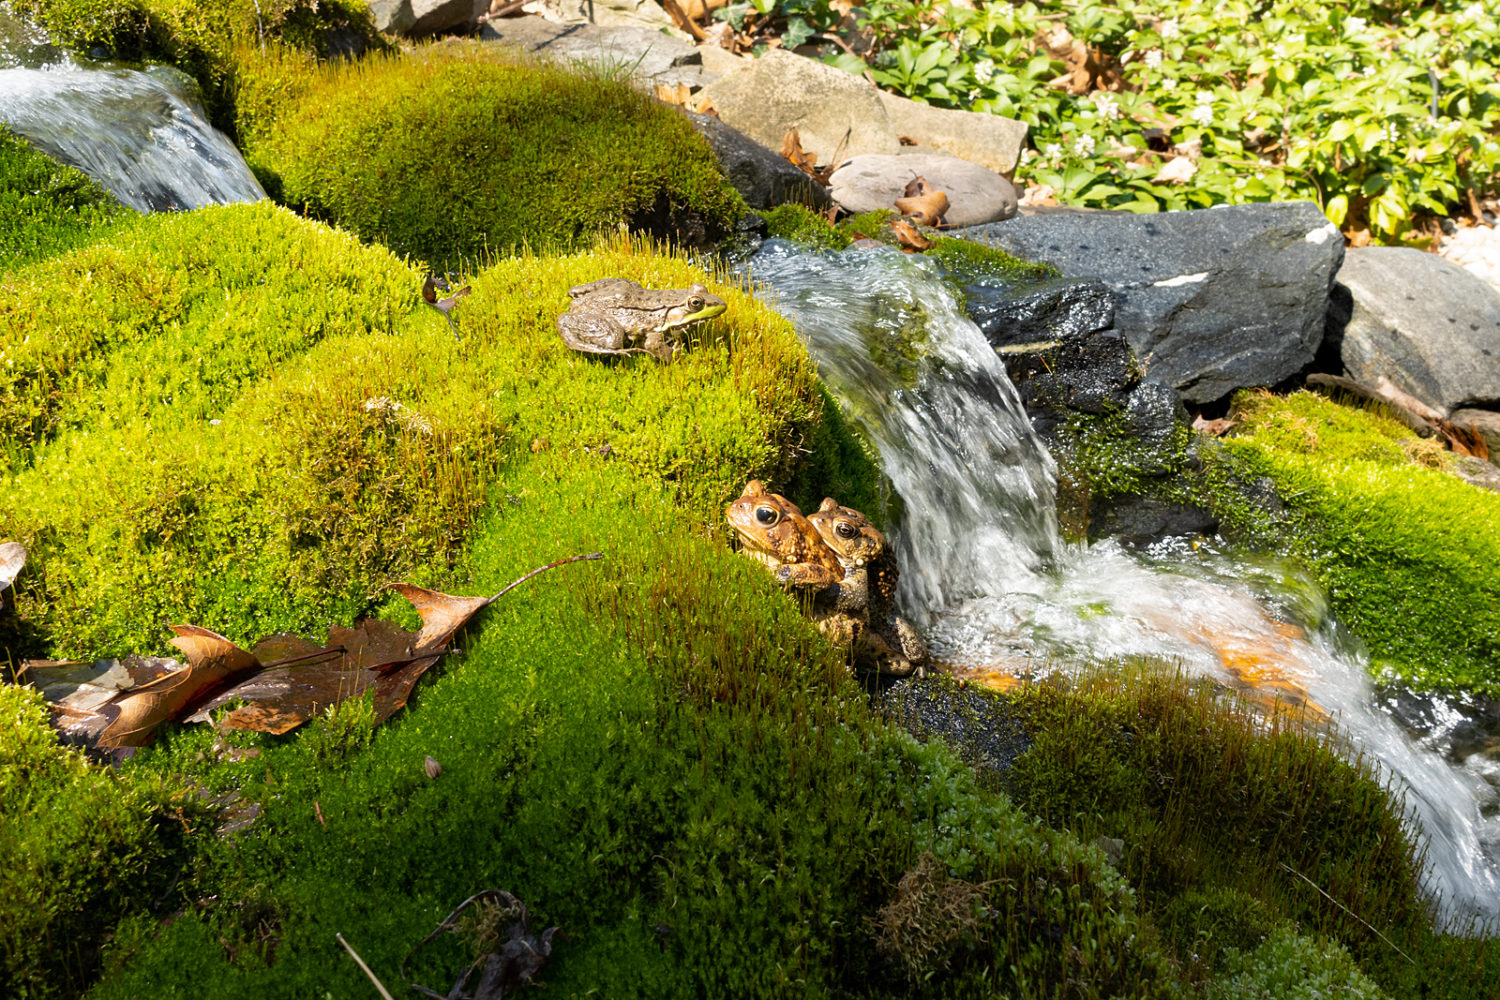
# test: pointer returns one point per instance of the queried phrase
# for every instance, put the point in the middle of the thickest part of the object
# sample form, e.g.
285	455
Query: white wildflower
984	71
1153	59
1355	24
1278	52
1169	28
1203	114
1169	84
1107	106
1205	97
1084	145
1053	152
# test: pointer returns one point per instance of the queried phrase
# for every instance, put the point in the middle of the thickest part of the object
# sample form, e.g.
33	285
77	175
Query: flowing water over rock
140	134
1002	596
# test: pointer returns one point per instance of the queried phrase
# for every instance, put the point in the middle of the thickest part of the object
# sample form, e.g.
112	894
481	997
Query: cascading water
140	134
984	568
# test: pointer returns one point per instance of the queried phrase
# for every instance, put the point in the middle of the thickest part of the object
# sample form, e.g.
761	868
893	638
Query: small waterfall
140	134
983	567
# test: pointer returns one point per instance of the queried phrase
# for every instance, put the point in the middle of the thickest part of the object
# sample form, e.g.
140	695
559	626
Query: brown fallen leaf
135	714
910	238
1038	195
721	34
699	10
1217	427
916	187
682	20
924	209
792	151
12	559
679	95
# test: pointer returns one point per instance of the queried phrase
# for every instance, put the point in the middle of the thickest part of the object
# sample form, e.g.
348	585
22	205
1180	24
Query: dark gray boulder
1426	324
1032	311
763	178
1211	300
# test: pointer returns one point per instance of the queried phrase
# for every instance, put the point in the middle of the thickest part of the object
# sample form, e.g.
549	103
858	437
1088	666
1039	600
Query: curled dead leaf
925	209
432	767
1217	427
212	660
910	238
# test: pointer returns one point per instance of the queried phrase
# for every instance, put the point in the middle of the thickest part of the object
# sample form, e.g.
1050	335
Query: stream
141	134
1002	596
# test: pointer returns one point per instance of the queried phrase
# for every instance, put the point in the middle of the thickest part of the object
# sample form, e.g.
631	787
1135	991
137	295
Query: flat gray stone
416	18
644	54
1428	325
834	112
976	194
1212	300
992	141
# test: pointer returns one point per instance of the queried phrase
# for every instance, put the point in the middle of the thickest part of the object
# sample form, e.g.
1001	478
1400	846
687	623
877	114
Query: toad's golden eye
695	303
845	530
767	515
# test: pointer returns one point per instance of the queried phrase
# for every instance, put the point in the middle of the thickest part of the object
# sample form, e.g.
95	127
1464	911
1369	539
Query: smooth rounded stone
1486	422
762	178
976	194
992	141
1426	324
835	113
1210	300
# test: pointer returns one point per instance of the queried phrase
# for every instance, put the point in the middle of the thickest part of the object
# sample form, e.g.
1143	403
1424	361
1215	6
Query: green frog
891	644
617	316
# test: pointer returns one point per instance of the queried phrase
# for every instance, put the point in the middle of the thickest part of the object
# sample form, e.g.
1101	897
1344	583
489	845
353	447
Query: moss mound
199	37
453	152
1407	552
45	207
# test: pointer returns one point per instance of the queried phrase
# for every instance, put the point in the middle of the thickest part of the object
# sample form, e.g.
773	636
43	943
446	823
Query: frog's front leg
593	334
803	575
659	347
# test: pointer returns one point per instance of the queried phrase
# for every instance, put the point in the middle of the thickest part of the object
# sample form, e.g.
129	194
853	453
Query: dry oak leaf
1217	427
910	238
212	660
924	209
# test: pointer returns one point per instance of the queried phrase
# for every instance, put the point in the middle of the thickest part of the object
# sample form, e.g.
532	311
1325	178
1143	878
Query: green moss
45	207
1406	551
200	36
1291	966
802	225
77	844
968	261
451	153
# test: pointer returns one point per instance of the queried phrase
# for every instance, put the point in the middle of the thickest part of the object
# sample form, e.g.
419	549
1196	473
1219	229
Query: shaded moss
45	207
454	152
802	225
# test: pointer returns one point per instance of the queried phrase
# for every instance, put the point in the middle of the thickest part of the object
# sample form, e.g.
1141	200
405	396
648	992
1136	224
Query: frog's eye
767	516
695	303
845	530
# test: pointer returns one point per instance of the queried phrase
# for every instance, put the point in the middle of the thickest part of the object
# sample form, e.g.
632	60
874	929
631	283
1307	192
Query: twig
541	569
385	993
679	17
1346	909
315	654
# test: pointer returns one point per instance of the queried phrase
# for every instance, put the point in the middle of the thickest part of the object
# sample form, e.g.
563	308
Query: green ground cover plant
45	207
1406	551
200	37
455	151
1382	113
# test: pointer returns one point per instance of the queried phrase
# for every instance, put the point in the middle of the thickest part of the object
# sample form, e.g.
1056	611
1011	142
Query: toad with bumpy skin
870	574
617	316
773	532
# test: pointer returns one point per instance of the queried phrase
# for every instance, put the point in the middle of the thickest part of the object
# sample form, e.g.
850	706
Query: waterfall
141	134
1000	593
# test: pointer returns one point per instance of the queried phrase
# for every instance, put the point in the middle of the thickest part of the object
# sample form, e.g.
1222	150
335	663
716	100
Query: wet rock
1426	324
1153	411
992	141
980	725
834	112
1139	521
763	178
416	18
1092	374
1210	300
1029	312
976	194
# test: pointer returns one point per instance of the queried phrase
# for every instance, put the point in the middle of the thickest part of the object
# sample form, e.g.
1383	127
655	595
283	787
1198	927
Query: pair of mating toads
838	555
